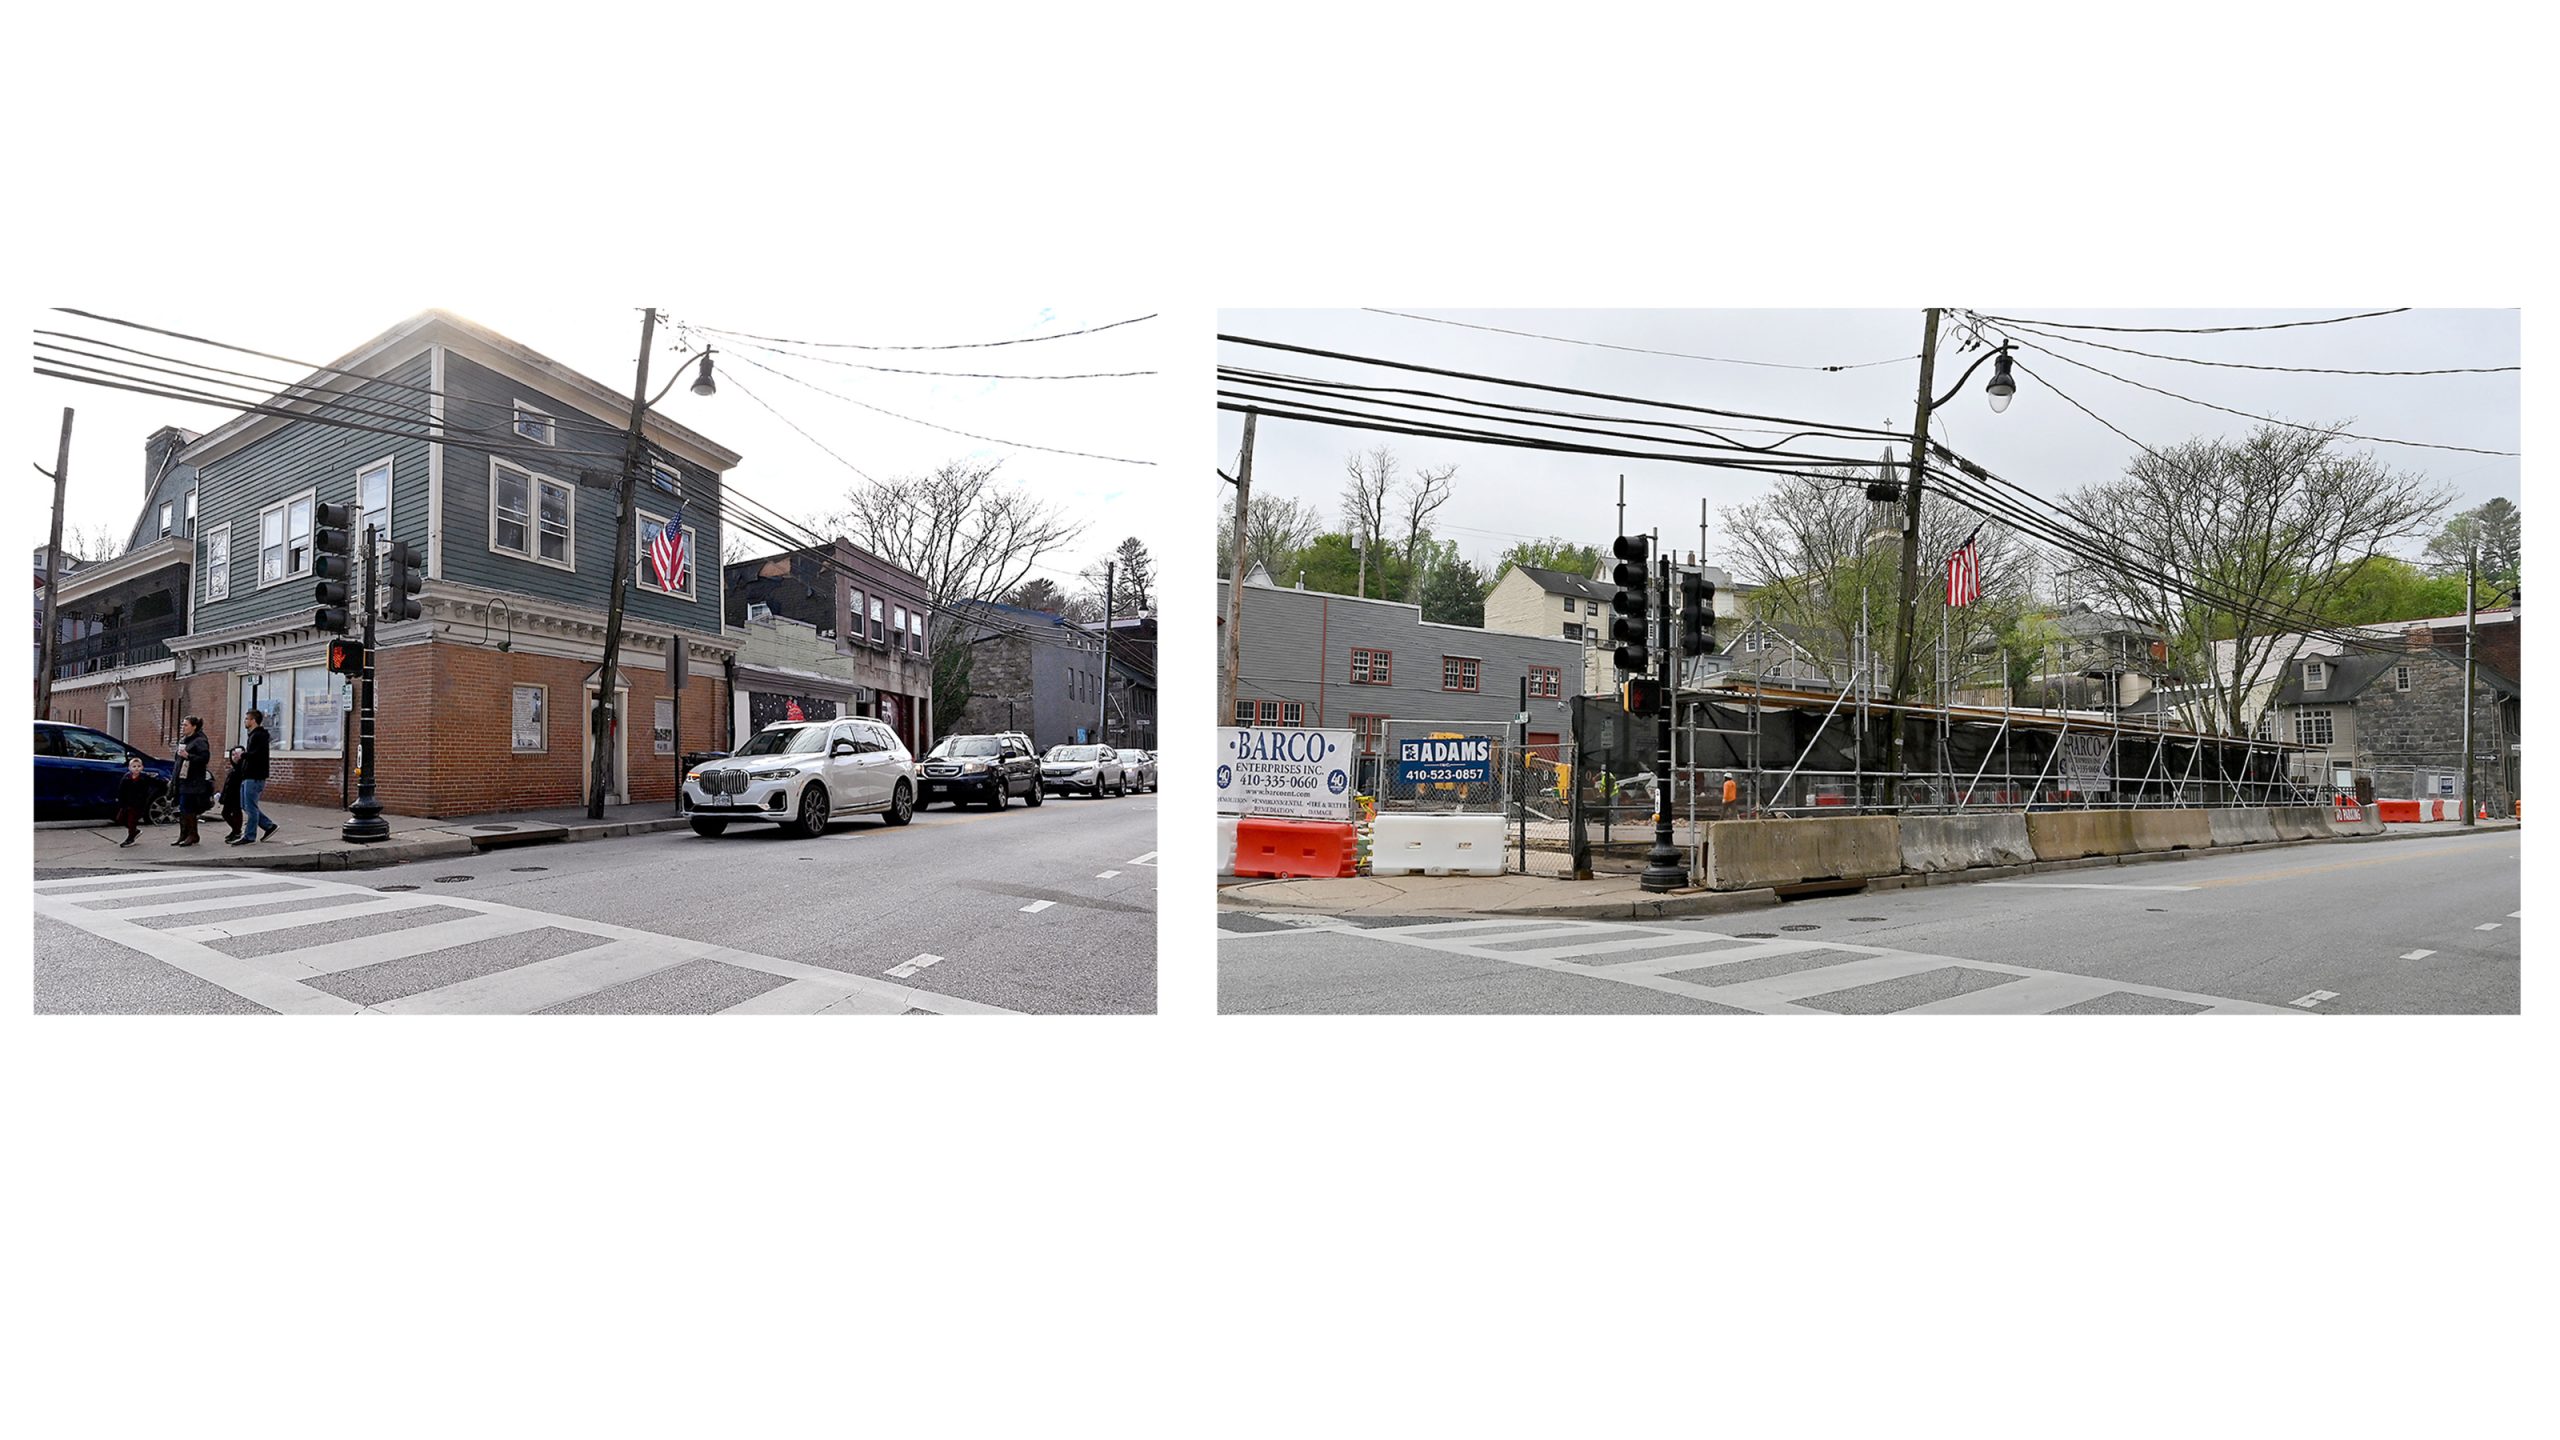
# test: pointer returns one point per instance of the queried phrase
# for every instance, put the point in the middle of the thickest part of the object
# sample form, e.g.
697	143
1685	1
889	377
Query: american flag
1964	572
666	552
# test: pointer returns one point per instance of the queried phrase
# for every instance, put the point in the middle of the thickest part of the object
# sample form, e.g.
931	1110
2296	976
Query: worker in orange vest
1732	791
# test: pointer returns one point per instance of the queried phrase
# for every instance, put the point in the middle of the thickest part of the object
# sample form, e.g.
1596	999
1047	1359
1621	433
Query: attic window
535	425
757	610
2400	677
2315	674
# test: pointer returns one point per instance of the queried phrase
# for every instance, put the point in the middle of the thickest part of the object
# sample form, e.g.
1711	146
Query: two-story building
876	614
1332	661
2391	714
497	465
1037	672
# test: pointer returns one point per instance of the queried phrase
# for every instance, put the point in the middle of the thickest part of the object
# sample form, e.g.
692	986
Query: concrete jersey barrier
2241	827
1751	854
1961	842
2368	821
2079	834
2156	831
2301	822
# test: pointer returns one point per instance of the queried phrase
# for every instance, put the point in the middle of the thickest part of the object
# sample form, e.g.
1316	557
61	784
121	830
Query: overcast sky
600	337
2042	442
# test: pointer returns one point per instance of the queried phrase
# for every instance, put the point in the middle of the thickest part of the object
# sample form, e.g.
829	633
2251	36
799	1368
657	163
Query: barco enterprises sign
1288	773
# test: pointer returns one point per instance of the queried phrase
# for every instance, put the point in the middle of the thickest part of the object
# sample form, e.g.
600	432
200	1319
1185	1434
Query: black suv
989	769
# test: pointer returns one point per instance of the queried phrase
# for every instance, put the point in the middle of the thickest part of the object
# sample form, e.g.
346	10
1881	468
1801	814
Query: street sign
1460	760
1284	772
257	661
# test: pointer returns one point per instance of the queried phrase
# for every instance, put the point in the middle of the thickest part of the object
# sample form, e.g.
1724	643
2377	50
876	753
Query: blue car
78	770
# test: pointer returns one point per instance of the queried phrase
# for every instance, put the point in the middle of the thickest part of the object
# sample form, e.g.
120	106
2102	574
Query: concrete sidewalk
307	838
1621	897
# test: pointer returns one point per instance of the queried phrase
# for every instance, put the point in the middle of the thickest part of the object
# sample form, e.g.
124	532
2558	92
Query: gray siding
1298	644
481	398
303	456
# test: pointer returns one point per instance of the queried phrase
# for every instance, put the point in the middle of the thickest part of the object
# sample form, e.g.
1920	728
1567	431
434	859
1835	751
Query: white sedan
803	775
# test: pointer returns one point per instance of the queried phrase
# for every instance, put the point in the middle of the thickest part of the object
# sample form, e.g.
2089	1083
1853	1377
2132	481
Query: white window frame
2400	677
217	574
357	512
191	509
898	627
544	711
2301	726
550	424
853	607
534	481
168	518
279	692
1244	712
878	633
284	508
915	632
641	575
2315	674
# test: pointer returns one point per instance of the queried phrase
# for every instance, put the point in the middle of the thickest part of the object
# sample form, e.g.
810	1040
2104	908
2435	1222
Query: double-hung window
915	632
854	631
645	569
1546	682
373	502
879	621
217	563
1244	712
284	540
1372	667
533	516
2313	727
1460	673
2315	675
897	627
168	517
536	425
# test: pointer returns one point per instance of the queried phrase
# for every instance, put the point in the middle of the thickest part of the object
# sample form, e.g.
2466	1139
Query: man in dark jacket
195	786
254	825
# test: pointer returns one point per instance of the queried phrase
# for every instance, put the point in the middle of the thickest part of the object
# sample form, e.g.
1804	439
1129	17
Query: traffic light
1697	614
333	561
1630	604
346	657
402	578
1641	695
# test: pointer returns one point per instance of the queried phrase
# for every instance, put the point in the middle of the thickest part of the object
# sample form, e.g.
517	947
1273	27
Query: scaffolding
1797	751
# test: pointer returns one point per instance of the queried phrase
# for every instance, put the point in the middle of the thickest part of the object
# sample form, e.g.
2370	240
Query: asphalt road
1049	910
2406	926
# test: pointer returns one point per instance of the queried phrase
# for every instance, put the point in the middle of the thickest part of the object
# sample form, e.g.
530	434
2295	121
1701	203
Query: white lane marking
1225	936
1147	859
2056	885
2515	914
296	919
1036	906
2315	997
902	971
2492	925
2417	955
1106	875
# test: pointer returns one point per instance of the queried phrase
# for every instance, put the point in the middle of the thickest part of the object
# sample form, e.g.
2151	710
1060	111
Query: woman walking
195	785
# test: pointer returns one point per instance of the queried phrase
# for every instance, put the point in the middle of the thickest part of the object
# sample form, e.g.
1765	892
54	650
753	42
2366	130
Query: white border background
1186	1226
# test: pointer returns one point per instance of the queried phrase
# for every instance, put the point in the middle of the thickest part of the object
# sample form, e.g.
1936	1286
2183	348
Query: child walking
133	800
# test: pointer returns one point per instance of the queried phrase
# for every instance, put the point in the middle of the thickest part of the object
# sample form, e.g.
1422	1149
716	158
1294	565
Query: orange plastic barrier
1296	849
2398	812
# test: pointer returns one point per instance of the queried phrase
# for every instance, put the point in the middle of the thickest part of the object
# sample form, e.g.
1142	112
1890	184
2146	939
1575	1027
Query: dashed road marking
1106	875
1036	906
2057	885
2492	925
902	971
2316	997
2515	914
1147	859
2417	955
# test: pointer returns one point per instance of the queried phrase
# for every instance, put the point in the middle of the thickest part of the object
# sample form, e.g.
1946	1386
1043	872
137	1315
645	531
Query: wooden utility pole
602	720
1910	558
2470	669
1233	640
53	570
1102	711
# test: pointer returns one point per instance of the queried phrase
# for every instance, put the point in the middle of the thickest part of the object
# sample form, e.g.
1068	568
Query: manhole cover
497	829
395	887
1868	919
1799	927
1755	935
528	869
451	879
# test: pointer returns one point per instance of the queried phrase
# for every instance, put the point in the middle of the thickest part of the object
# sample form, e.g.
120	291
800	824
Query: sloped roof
1559	582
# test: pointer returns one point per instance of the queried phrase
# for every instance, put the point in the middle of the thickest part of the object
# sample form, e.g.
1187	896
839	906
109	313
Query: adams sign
1290	774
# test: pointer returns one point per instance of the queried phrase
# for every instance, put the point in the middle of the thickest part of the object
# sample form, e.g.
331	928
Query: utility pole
1233	640
53	569
1910	559
2470	669
601	720
1102	708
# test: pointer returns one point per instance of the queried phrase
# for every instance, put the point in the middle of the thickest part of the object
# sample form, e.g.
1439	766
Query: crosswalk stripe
103	886
544	983
336	955
809	997
296	919
2040	994
155	892
1806	984
1552	932
1673	964
1626	946
202	904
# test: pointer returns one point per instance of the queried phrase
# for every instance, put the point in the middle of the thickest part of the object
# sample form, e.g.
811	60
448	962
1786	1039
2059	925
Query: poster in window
528	723
318	721
765	708
663	735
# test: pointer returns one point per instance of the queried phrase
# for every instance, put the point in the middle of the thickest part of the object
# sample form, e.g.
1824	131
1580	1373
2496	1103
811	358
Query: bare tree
1368	480
1420	499
1811	545
1275	532
91	545
2269	527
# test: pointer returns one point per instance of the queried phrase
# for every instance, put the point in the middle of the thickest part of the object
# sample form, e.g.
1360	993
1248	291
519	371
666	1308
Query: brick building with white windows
484	457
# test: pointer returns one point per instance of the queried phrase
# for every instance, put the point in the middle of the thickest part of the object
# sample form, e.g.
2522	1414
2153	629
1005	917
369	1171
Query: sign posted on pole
1450	760
1285	773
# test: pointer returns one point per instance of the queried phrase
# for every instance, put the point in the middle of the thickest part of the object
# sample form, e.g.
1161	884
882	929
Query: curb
400	852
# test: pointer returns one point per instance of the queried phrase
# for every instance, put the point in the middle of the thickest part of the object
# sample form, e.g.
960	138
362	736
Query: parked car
802	775
1083	770
78	770
989	769
1141	765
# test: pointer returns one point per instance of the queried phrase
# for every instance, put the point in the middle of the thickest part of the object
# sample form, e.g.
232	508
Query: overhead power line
1635	349
928	424
2200	329
969	345
2242	365
947	374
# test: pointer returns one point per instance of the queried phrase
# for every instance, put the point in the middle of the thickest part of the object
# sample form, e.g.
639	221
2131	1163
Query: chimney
160	454
2419	637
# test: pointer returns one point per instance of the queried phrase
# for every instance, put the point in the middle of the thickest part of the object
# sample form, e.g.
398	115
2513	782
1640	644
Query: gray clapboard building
1334	662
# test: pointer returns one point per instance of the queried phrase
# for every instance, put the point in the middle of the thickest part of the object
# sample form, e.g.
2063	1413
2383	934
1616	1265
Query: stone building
1036	672
2392	715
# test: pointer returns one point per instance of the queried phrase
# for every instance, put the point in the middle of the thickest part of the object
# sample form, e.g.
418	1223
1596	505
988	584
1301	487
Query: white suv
1093	770
803	774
